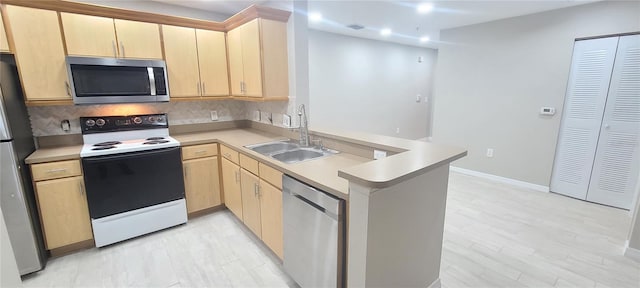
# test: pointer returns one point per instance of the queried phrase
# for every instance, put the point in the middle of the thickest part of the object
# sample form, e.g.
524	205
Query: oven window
124	182
97	80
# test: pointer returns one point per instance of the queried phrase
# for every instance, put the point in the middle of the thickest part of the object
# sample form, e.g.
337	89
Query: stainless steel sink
297	155
270	148
288	151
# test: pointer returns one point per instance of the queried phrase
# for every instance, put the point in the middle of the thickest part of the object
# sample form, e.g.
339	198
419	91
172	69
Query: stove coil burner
103	147
155	142
108	143
154	138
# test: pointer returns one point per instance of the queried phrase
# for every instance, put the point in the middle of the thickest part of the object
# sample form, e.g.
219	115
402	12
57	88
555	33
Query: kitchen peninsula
395	205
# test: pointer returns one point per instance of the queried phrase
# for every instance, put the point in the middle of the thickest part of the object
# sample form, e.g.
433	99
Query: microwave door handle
152	81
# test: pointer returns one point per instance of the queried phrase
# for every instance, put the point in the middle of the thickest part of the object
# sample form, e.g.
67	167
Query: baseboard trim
435	284
631	252
501	179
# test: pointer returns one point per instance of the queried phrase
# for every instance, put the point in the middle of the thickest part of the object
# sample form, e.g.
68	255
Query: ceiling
407	25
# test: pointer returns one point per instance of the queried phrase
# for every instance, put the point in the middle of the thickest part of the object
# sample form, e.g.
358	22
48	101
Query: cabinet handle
204	91
115	50
236	175
122	49
227	155
256	190
56	170
200	152
66	84
186	172
81	188
198	85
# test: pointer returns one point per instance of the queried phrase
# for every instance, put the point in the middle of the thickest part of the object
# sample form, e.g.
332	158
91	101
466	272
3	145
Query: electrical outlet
490	152
256	115
418	98
379	154
214	115
286	120
397	130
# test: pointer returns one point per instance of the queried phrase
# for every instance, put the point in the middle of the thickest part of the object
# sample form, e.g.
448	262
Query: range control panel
100	124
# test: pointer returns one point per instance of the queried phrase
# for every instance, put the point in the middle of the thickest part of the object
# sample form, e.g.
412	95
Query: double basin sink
288	151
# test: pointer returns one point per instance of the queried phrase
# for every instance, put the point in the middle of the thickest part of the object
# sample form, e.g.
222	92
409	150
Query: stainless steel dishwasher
314	234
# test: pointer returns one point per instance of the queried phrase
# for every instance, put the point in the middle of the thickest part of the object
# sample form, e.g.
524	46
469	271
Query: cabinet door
234	47
231	185
251	59
202	183
64	211
271	216
39	53
212	59
89	35
4	44
138	39
250	185
181	55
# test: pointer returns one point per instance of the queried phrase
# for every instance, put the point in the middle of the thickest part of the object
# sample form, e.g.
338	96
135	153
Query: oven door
124	182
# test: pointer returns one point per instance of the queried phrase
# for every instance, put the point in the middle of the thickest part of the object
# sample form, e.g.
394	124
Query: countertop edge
385	183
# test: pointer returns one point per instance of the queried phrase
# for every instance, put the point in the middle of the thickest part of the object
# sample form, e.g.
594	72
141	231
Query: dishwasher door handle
314	205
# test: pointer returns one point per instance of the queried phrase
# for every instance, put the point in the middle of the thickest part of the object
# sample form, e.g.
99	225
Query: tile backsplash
45	120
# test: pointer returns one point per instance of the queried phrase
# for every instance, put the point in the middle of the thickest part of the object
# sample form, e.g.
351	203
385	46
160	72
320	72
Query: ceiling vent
355	26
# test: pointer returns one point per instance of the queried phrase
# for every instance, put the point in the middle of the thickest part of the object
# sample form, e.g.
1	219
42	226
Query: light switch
286	120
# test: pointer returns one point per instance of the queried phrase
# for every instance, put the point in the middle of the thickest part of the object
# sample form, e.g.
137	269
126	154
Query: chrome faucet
304	129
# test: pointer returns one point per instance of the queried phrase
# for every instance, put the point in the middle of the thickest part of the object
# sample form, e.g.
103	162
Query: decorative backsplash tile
45	120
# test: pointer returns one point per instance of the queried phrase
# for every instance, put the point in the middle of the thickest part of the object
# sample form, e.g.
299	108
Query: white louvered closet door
591	68
617	160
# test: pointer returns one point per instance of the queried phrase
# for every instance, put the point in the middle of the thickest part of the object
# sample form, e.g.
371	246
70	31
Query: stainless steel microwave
112	80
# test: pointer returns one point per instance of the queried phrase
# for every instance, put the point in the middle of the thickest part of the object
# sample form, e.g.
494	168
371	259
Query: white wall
367	85
492	79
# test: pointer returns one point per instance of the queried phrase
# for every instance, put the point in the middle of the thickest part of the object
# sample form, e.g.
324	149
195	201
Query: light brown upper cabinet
4	44
258	63
196	62
105	37
39	53
138	39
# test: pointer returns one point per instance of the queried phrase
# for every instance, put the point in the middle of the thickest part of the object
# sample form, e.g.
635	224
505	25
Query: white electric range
133	176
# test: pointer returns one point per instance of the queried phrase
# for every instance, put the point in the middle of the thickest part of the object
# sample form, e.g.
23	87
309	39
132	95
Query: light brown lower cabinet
250	185
271	217
231	185
64	211
202	183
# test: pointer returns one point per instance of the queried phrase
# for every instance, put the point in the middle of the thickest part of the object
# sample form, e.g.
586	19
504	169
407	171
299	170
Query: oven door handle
128	155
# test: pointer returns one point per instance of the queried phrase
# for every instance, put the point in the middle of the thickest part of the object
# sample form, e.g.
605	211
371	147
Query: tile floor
495	236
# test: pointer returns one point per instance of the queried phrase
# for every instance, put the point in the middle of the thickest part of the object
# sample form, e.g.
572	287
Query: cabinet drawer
199	151
249	164
229	153
273	176
53	170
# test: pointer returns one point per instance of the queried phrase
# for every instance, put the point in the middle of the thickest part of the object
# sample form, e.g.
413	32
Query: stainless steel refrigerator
17	197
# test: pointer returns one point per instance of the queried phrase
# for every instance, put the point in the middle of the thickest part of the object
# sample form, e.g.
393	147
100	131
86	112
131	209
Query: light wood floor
495	236
501	236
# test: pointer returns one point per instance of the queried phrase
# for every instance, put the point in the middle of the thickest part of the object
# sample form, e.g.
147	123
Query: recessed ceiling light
315	17
424	39
385	32
425	8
